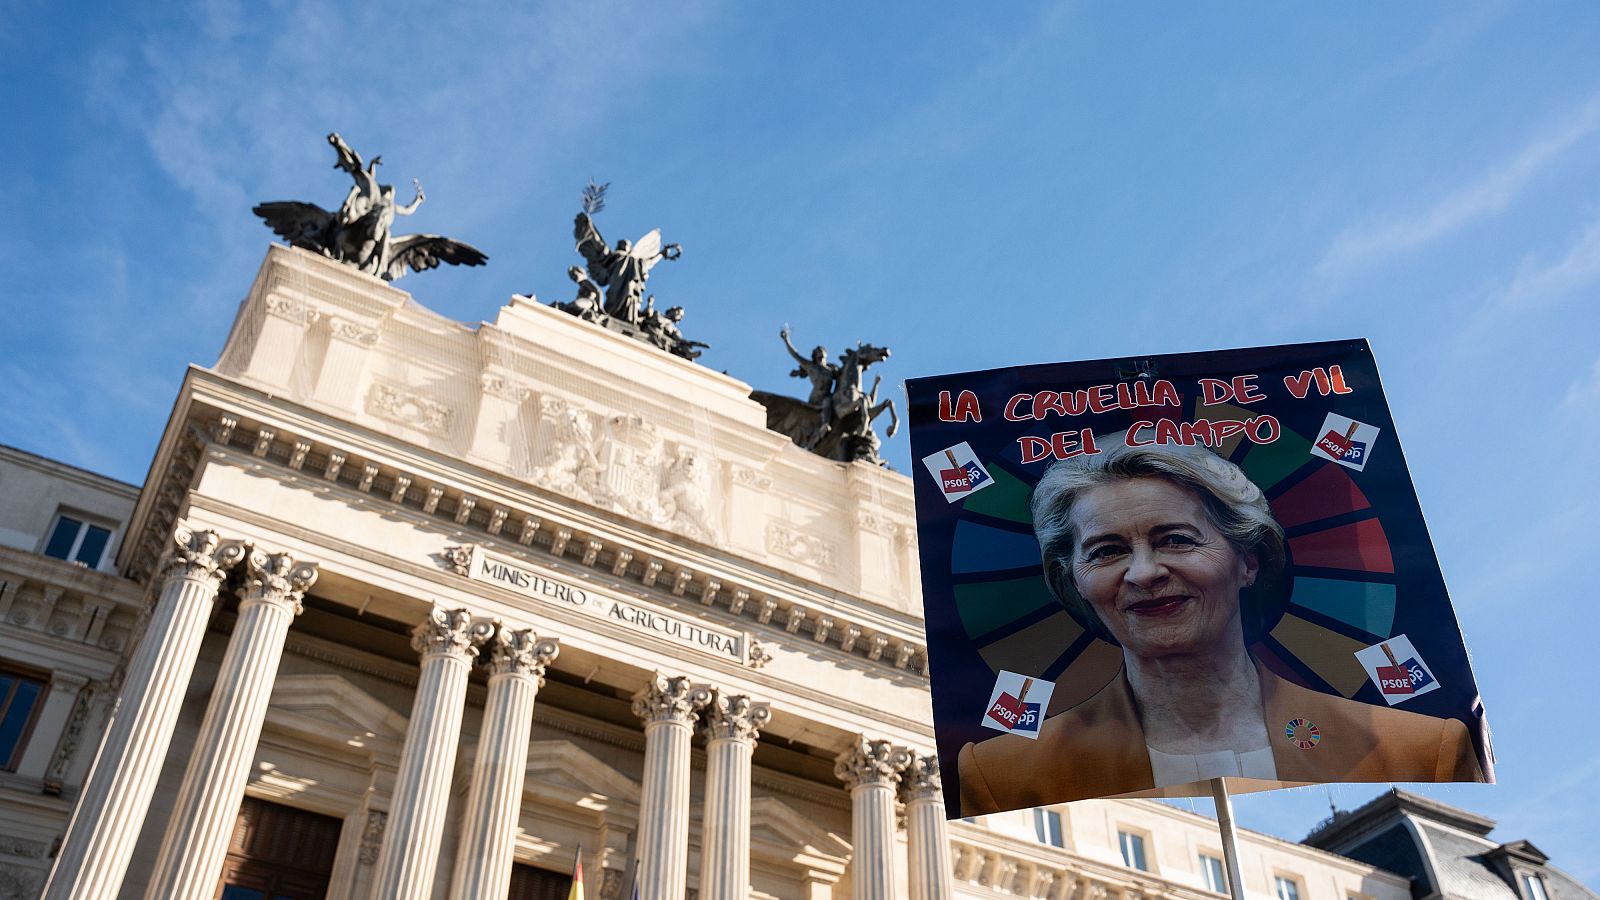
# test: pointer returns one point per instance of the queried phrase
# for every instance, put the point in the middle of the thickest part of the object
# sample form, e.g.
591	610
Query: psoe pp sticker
1017	704
1397	669
1345	441
957	472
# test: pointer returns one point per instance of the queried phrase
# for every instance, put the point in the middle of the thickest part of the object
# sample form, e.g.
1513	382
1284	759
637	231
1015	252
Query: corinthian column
668	707
100	838
517	661
732	726
208	802
871	769
410	855
929	857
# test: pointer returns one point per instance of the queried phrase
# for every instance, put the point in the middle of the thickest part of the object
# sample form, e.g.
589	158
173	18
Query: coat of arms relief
619	462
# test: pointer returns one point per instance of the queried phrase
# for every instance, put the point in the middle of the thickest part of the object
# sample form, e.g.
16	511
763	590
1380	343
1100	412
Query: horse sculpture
838	427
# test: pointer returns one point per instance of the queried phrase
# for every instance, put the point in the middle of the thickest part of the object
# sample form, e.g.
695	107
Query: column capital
450	632
520	653
921	778
276	578
871	762
670	699
201	555
735	717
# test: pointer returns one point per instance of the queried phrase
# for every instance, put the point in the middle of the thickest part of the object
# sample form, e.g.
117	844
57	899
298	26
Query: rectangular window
1132	851
75	540
19	700
1213	874
1047	827
1286	888
1533	887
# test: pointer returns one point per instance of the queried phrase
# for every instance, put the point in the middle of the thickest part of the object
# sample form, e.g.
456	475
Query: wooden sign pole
1230	840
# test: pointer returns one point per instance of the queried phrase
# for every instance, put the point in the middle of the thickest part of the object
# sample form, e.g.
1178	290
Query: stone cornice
520	522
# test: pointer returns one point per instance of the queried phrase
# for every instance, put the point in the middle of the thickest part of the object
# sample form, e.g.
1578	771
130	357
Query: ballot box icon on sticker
1345	441
1397	681
1017	704
957	471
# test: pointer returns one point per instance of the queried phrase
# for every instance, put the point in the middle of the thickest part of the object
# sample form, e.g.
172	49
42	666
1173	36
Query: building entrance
278	853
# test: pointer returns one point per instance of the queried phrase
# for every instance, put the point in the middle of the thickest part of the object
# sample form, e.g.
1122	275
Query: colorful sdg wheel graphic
1342	572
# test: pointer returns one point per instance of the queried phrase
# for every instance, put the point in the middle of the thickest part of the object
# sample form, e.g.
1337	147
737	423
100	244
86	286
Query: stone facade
486	595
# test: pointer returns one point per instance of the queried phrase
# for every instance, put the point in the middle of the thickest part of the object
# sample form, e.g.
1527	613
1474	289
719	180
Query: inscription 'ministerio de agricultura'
501	572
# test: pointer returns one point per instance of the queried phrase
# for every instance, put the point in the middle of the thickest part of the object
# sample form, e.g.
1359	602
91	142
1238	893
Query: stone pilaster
214	782
871	769
929	845
668	707
100	838
517	661
447	641
732	725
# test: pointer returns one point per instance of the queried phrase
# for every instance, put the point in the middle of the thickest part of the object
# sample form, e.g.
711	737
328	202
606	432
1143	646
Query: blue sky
973	186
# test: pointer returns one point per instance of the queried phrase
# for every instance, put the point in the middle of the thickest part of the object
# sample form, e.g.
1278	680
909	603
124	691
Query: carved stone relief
792	543
621	463
402	405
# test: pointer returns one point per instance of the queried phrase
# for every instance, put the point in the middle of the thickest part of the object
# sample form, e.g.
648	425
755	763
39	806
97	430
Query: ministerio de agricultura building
411	608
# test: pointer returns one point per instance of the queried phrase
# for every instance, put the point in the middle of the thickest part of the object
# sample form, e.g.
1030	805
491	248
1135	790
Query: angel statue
621	271
359	233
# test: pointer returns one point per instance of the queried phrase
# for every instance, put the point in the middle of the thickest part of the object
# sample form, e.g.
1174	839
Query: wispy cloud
1583	395
1372	241
1541	285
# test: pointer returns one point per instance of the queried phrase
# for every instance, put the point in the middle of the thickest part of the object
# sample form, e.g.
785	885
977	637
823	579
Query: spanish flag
577	876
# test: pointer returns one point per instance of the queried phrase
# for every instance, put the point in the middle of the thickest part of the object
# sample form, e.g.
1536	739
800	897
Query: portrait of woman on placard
1170	553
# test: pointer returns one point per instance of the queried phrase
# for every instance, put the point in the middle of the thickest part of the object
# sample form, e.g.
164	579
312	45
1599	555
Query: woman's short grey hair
1232	502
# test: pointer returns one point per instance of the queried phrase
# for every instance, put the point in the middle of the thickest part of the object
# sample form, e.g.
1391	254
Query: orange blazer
1097	749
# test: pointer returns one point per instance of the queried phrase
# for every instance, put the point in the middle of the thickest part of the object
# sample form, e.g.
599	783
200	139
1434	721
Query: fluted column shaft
410	854
100	838
668	707
871	769
494	803
213	784
733	723
929	844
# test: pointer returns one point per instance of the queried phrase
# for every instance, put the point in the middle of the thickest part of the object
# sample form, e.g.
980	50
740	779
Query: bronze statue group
834	421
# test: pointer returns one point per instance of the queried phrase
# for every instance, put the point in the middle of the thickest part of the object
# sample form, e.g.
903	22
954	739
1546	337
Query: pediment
780	833
563	773
328	710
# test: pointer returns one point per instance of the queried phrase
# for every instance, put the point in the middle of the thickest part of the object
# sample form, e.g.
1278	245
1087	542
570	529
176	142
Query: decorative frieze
409	408
354	332
847	636
791	543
